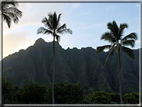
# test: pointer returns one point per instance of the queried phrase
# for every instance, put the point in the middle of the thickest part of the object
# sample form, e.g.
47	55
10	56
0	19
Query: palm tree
118	42
54	28
9	11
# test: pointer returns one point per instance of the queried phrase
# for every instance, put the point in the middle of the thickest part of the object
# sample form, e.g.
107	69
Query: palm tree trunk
53	70
120	79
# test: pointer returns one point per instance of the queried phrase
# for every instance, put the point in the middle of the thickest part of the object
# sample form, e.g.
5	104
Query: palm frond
111	52
128	43
121	29
52	19
101	48
130	36
50	16
115	27
109	37
12	16
44	20
61	27
44	31
47	23
128	51
65	31
58	38
55	20
14	10
7	19
6	3
111	28
59	20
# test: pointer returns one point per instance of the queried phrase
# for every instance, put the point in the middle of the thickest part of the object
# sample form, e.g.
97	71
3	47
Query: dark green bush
101	97
65	93
33	93
132	98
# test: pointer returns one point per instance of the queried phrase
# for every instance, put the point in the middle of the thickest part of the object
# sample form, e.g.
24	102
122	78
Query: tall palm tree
118	42
54	28
9	11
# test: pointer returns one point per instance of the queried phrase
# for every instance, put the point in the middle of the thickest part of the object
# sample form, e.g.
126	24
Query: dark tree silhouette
54	28
118	42
10	12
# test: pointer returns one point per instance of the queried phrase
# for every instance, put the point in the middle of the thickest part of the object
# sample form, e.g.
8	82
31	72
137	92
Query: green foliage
115	97
101	97
87	99
8	89
66	93
132	98
33	93
73	65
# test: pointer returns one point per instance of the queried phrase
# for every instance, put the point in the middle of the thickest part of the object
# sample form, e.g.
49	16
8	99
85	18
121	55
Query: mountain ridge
73	65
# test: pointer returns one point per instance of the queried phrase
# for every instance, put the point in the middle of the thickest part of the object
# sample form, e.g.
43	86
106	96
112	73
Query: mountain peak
39	41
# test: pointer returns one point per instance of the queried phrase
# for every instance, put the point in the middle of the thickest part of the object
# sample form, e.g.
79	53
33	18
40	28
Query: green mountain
73	65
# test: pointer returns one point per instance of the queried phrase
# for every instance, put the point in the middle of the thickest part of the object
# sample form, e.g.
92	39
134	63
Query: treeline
65	93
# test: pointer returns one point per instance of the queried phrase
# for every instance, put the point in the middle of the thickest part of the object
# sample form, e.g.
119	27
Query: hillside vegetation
73	65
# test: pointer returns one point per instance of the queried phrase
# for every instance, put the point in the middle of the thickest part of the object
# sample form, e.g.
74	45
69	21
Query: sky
88	21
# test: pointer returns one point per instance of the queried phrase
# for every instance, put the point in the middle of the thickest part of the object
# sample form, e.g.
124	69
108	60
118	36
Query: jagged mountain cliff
73	65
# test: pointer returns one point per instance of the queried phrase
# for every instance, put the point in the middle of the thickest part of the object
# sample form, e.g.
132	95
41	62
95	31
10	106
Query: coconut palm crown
115	37
9	11
118	42
53	26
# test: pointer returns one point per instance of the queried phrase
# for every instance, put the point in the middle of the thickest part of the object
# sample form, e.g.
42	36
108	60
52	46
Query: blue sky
88	21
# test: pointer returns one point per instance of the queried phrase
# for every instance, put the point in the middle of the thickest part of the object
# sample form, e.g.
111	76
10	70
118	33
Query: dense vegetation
66	93
73	65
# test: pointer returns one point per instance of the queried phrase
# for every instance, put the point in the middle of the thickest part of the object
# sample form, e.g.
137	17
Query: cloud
20	35
33	13
14	42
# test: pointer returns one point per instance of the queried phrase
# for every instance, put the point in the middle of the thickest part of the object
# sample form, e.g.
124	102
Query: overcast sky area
88	21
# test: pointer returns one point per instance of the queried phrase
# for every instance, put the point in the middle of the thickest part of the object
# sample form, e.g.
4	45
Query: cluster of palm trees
115	36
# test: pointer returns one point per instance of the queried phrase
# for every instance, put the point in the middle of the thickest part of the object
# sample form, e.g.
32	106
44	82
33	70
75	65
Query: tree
132	98
7	91
101	97
33	93
118	43
115	97
66	93
54	28
9	11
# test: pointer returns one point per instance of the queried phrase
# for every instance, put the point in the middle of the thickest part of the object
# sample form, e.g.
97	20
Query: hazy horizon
60	45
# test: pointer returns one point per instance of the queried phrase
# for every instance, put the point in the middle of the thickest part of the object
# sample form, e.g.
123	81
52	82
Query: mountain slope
73	65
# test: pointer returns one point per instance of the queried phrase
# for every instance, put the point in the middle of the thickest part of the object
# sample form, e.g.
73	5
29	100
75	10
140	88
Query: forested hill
73	65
